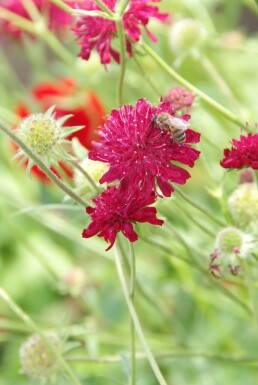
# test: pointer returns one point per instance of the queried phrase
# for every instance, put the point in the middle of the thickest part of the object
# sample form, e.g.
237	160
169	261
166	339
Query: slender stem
136	321
65	7
17	20
175	76
122	6
199	207
32	326
56	46
121	36
146	76
132	329
43	166
168	355
104	7
216	76
251	289
87	176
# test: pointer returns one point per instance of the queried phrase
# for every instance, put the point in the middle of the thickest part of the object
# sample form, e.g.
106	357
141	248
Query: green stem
32	326
185	83
17	20
199	207
146	77
56	46
121	36
104	7
43	166
218	79
122	6
132	329
136	321
167	355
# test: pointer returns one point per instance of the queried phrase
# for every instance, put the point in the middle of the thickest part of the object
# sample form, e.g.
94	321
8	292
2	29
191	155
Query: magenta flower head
243	153
115	210
98	32
139	153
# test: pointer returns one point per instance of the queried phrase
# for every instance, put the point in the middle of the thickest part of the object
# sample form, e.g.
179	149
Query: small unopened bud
180	99
247	175
229	239
73	282
186	34
37	360
243	205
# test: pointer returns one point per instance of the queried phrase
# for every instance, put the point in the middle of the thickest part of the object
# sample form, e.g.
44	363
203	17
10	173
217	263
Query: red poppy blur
85	106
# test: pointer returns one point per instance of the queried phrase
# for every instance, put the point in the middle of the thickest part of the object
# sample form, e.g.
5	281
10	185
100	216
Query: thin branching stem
185	83
121	35
137	325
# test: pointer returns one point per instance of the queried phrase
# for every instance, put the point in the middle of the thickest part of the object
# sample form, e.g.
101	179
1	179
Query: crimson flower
57	18
115	210
140	154
97	32
84	105
243	153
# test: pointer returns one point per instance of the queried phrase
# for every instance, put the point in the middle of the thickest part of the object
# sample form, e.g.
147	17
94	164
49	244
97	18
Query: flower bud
37	360
231	245
41	133
73	282
180	99
243	205
95	170
186	35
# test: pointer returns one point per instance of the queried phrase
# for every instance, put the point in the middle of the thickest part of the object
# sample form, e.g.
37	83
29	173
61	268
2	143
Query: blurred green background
188	317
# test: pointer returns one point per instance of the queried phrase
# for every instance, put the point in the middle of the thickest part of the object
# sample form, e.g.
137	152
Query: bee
175	126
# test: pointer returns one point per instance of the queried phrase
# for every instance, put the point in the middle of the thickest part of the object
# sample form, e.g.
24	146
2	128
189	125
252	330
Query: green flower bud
95	170
243	205
37	360
186	35
41	133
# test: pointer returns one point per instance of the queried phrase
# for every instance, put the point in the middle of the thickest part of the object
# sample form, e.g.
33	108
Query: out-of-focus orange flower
85	107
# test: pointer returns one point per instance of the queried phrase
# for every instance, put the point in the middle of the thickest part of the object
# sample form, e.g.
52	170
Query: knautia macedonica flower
180	98
55	17
243	153
37	360
116	210
98	32
45	136
231	244
139	153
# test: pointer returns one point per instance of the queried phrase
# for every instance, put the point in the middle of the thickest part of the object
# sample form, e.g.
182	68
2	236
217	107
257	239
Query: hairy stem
121	35
43	166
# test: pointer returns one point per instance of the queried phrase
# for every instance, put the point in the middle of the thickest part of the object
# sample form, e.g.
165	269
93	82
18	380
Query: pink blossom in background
140	154
97	32
180	99
243	153
57	18
116	210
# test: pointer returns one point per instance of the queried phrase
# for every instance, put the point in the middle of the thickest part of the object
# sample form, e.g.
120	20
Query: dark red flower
139	153
116	210
243	153
97	32
85	106
56	18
